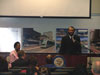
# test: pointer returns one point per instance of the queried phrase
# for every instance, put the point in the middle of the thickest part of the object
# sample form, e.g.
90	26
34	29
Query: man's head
71	30
21	54
96	67
49	56
17	46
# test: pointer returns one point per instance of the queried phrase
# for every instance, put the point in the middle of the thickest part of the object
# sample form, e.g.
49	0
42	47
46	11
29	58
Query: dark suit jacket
70	47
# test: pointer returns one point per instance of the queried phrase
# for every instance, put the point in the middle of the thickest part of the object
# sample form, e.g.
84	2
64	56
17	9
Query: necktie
71	38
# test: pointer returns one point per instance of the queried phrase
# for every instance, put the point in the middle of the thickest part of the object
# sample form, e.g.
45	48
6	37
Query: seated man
49	61
48	67
21	62
80	70
33	66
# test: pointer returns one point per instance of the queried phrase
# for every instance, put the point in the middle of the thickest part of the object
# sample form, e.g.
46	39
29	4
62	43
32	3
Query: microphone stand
90	62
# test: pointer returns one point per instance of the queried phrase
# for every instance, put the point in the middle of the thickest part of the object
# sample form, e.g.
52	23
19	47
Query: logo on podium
59	61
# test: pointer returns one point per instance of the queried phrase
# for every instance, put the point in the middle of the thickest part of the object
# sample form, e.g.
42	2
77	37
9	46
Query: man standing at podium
70	43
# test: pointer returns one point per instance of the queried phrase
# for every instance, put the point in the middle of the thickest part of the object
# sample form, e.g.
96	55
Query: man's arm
62	46
77	44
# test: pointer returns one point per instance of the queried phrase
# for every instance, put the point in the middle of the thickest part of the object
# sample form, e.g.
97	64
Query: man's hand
73	39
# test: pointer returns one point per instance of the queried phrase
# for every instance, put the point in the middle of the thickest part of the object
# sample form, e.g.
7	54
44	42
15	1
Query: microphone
90	51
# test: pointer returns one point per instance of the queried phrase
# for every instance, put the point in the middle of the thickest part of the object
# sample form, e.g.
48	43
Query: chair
23	68
8	59
44	71
59	73
6	73
15	71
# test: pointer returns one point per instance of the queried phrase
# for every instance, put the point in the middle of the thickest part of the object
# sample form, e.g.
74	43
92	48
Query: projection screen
45	8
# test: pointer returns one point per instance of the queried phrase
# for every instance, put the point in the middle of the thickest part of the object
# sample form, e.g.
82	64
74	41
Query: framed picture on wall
95	40
38	42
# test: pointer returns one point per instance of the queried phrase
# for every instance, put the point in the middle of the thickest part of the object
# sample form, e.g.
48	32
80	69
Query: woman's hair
16	44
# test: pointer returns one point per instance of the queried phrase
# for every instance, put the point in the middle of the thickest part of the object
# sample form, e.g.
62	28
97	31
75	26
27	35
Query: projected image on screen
82	33
35	41
8	36
95	41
